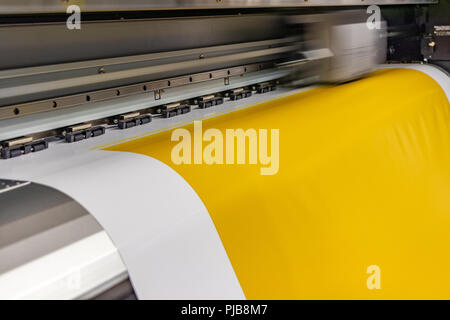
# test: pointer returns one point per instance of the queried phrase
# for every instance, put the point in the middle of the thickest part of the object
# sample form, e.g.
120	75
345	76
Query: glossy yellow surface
364	179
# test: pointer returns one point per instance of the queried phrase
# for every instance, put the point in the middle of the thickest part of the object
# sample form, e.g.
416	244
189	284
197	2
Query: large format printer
148	65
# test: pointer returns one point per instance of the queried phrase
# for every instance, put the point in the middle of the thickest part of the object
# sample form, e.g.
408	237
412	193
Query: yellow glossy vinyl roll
363	184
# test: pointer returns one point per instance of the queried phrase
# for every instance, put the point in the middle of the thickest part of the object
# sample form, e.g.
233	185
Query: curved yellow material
364	180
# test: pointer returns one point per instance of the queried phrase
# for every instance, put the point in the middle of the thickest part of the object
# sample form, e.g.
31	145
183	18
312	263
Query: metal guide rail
81	131
43	88
156	87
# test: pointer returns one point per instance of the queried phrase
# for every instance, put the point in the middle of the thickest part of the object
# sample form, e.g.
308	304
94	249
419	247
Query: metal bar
127	60
18	90
19	110
46	124
129	75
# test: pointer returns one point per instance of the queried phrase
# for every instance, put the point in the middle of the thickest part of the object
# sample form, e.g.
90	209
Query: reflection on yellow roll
360	206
